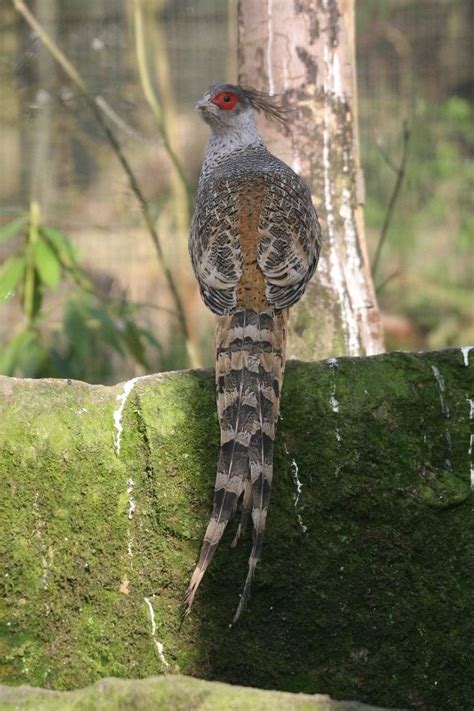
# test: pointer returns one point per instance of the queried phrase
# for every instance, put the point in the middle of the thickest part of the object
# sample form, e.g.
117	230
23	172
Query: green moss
172	692
371	601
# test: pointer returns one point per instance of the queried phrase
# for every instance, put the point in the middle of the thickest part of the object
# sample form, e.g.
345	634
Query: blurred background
97	306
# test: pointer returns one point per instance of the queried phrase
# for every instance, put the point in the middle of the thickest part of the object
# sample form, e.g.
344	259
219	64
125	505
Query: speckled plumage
254	245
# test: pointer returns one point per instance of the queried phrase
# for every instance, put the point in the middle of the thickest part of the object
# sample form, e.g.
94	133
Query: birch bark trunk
304	50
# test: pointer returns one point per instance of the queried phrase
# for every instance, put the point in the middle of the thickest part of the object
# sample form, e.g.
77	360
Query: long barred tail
250	360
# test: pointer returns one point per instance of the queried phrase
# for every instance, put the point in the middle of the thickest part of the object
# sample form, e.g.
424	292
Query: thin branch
386	157
155	307
151	97
118	120
95	107
388	279
393	199
158	56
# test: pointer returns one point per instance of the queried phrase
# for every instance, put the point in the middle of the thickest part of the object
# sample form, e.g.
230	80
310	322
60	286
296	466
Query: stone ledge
363	590
167	693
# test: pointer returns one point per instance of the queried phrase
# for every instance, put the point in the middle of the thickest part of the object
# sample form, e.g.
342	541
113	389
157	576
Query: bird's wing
214	245
290	238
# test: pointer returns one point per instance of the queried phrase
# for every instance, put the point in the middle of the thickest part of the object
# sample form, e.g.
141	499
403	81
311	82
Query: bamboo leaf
47	264
10	354
11	228
133	341
10	274
61	243
148	336
37	296
75	327
67	255
109	331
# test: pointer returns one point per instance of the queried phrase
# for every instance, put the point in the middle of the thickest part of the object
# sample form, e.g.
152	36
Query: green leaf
62	245
133	341
110	329
81	280
33	360
75	328
11	228
10	274
10	354
47	264
37	296
148	336
67	255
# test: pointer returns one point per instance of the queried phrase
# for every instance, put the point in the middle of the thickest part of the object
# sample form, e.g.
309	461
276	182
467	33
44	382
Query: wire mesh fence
414	65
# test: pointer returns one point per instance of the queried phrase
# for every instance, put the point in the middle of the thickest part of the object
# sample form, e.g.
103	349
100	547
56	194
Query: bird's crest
270	106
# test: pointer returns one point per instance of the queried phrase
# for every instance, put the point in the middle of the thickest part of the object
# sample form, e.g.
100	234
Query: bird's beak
201	105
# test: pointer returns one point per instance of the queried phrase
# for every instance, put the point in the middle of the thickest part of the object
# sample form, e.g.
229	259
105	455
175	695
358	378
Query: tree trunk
304	50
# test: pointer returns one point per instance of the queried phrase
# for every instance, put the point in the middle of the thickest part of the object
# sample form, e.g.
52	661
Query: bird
254	244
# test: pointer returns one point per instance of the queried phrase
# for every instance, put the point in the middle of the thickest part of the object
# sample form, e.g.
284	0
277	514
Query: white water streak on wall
296	497
130	511
442	389
445	410
131	503
465	350
158	644
471	440
333	401
122	400
298	484
117	415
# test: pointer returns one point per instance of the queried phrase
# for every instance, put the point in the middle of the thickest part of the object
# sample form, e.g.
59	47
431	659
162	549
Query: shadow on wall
359	583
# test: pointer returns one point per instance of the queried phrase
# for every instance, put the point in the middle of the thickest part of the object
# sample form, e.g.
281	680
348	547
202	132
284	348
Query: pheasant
254	245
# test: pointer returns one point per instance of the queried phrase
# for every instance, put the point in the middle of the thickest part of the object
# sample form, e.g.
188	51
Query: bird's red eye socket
226	100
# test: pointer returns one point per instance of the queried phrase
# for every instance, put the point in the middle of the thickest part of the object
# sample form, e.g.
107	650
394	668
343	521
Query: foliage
370	11
94	331
432	274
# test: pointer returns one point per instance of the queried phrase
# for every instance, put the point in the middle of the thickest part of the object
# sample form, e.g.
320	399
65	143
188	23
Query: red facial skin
226	100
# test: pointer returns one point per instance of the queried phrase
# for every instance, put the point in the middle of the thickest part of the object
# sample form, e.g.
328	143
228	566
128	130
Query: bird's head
228	107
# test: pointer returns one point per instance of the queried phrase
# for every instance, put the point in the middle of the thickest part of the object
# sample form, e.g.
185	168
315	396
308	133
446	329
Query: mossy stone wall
364	589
